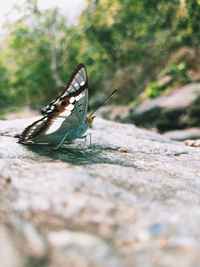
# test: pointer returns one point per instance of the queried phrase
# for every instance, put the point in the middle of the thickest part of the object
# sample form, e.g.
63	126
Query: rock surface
181	135
178	110
100	207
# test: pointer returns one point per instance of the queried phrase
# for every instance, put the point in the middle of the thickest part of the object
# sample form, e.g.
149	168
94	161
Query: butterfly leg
85	139
90	139
60	144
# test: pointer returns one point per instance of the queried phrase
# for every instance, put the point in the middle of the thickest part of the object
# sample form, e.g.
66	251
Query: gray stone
178	110
115	113
181	135
80	249
182	98
169	112
9	255
100	207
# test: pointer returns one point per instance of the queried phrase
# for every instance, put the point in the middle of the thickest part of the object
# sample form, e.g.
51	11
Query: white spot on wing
55	125
66	93
70	107
82	83
76	85
72	99
66	113
78	97
57	101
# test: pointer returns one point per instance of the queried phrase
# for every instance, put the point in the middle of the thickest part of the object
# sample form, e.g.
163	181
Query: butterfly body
64	119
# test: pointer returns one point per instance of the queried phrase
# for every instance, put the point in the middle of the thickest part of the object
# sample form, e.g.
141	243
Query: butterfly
64	118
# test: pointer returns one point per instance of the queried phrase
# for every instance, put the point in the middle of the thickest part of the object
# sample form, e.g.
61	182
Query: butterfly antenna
104	102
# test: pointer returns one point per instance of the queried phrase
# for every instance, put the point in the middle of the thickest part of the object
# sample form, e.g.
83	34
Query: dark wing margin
77	83
35	129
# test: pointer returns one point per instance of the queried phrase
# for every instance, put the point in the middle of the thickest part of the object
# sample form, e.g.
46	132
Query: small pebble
122	150
195	143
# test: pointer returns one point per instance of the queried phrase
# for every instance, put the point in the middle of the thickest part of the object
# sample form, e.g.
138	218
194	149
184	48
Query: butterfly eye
63	103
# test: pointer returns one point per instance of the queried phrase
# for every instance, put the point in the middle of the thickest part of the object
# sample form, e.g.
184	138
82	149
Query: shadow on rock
77	156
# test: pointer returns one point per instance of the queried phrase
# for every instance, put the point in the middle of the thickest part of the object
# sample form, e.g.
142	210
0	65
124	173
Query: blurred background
148	49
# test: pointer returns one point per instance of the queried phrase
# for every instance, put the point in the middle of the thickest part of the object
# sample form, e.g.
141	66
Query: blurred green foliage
129	44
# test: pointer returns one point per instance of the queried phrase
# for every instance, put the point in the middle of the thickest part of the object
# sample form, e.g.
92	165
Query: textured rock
132	199
178	110
115	113
80	249
181	135
174	111
9	256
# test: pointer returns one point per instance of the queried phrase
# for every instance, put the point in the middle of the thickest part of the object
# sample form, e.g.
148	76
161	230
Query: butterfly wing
35	129
62	114
77	83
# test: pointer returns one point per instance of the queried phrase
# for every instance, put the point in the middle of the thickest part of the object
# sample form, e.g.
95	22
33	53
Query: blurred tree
37	54
123	43
5	91
193	22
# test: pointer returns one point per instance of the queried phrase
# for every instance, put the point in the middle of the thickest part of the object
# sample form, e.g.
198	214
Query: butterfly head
90	119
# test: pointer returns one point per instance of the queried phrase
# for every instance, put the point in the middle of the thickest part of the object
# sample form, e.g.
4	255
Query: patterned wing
47	130
35	129
64	103
62	114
